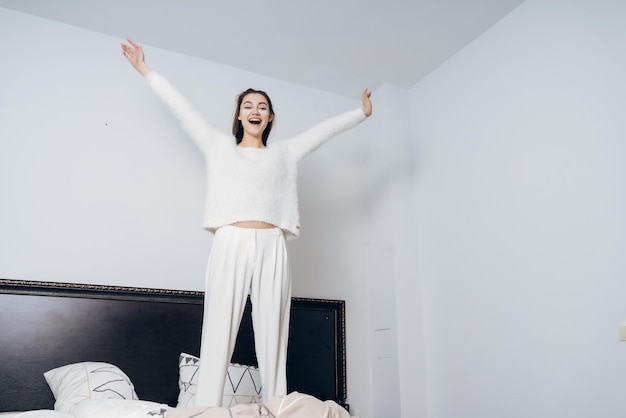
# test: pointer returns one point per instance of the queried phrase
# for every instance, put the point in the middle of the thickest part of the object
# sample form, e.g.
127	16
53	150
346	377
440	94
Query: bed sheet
119	408
99	408
41	413
294	405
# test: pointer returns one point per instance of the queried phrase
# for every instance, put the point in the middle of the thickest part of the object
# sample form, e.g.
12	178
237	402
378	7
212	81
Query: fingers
132	49
135	45
132	52
367	103
127	50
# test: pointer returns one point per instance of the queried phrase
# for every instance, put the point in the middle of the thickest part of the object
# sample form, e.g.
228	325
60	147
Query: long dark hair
238	127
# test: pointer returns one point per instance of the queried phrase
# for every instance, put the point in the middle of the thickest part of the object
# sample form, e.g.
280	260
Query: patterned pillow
75	383
242	386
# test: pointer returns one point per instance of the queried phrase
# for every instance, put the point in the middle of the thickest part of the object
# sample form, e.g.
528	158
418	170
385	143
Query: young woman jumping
251	206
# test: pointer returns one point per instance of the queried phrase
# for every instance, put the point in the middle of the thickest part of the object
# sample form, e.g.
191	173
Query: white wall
521	198
398	368
99	185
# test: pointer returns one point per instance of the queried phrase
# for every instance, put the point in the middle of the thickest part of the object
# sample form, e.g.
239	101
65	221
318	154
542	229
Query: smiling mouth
255	121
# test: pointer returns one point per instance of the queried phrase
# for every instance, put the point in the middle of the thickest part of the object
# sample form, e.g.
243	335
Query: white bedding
42	413
99	408
294	405
118	408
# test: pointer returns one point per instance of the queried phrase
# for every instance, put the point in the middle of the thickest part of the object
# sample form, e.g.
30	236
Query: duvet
294	405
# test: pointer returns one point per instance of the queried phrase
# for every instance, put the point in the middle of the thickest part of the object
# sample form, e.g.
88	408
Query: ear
271	119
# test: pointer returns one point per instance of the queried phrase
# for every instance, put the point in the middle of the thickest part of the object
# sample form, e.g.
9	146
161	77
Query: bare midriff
254	224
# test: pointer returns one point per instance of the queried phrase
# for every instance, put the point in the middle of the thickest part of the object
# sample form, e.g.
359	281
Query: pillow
242	385
75	383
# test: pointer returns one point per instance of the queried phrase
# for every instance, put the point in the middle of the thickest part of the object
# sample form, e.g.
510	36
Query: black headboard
44	325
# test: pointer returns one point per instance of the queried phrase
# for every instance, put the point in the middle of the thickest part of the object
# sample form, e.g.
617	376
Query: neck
251	141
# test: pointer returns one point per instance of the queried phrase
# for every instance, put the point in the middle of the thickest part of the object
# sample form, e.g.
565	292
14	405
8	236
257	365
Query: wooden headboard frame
44	325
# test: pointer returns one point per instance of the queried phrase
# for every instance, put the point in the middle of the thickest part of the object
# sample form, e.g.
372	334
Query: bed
44	326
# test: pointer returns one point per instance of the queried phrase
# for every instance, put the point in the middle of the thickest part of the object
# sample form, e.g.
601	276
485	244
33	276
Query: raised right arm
190	119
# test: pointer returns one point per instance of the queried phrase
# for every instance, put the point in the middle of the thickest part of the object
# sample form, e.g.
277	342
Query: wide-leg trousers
242	261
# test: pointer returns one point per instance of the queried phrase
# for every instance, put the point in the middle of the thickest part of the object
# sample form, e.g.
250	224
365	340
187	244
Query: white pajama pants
245	260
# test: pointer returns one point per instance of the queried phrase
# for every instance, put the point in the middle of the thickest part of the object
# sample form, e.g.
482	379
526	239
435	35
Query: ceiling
338	46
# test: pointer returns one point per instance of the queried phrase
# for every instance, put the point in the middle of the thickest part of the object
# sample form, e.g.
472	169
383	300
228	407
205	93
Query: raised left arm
309	140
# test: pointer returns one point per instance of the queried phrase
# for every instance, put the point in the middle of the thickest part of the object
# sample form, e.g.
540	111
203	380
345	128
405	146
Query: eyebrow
249	102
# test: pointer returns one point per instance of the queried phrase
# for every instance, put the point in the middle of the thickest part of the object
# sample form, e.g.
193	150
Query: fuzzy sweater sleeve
311	139
190	119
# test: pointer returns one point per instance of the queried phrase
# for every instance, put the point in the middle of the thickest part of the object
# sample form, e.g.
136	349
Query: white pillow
242	386
75	383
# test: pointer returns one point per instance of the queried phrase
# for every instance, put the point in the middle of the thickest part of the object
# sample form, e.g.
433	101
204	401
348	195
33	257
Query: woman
251	206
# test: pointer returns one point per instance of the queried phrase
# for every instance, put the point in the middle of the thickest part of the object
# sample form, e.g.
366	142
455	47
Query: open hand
134	54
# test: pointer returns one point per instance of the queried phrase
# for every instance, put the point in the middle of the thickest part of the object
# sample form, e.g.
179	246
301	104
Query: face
254	114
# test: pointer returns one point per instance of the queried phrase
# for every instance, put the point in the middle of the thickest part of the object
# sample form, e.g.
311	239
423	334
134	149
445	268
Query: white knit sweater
250	184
